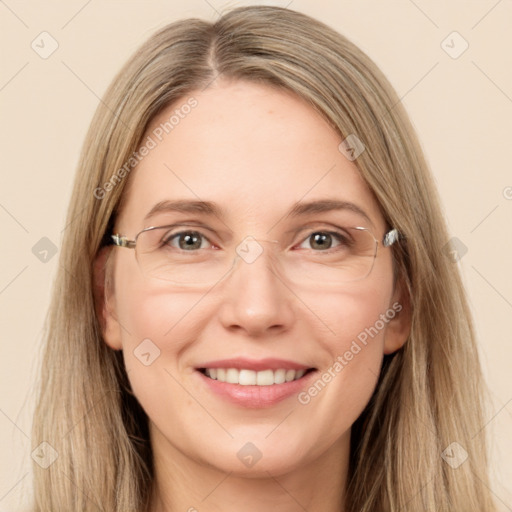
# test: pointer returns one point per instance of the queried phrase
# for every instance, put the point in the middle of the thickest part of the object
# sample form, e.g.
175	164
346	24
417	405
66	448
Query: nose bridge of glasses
251	248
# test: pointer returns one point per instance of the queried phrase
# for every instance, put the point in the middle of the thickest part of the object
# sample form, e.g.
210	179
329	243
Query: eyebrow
299	209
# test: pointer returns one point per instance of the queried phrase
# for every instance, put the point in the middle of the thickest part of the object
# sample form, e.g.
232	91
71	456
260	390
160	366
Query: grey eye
187	240
323	240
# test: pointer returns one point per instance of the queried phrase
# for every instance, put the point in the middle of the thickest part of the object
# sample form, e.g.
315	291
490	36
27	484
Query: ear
104	298
399	327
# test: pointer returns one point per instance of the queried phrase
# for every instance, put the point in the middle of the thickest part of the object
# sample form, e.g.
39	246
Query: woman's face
255	152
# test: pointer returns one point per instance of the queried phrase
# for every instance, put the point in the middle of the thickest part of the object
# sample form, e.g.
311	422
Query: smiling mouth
246	377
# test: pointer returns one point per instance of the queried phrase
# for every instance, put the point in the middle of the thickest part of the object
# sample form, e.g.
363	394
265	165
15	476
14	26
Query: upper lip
255	364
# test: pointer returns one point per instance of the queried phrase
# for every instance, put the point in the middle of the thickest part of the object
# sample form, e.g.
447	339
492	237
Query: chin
258	459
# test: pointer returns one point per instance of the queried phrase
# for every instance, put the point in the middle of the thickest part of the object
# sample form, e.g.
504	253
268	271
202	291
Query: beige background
461	108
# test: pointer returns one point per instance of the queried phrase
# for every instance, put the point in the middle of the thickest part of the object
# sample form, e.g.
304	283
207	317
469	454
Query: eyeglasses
185	256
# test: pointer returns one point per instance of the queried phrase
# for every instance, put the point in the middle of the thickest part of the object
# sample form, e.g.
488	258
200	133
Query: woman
254	307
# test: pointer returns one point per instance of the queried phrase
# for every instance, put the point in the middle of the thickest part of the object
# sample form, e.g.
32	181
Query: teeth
252	378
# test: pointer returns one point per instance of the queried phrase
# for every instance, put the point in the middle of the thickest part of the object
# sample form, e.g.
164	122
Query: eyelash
342	238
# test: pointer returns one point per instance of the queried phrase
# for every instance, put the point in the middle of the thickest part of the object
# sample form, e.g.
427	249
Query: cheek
157	327
356	323
158	315
148	310
356	317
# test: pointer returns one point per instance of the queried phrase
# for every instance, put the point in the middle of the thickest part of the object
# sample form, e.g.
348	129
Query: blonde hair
429	392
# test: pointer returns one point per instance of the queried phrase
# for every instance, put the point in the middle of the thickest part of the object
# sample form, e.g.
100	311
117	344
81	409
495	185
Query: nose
256	299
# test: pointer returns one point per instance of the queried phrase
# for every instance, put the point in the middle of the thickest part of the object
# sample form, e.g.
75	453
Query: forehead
253	149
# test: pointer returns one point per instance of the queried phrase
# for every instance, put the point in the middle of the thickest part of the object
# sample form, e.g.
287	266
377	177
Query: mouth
254	383
247	377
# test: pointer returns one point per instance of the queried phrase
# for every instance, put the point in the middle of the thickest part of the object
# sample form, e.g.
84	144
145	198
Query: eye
186	240
323	240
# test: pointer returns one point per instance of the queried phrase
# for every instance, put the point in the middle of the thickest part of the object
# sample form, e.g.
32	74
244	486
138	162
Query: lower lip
257	396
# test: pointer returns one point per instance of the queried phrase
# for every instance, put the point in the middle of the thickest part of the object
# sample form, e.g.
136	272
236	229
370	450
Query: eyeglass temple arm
391	237
122	241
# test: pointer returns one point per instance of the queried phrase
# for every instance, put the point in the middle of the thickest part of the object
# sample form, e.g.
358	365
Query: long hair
429	393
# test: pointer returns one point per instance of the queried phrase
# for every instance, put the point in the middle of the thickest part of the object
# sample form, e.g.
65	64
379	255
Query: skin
244	146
